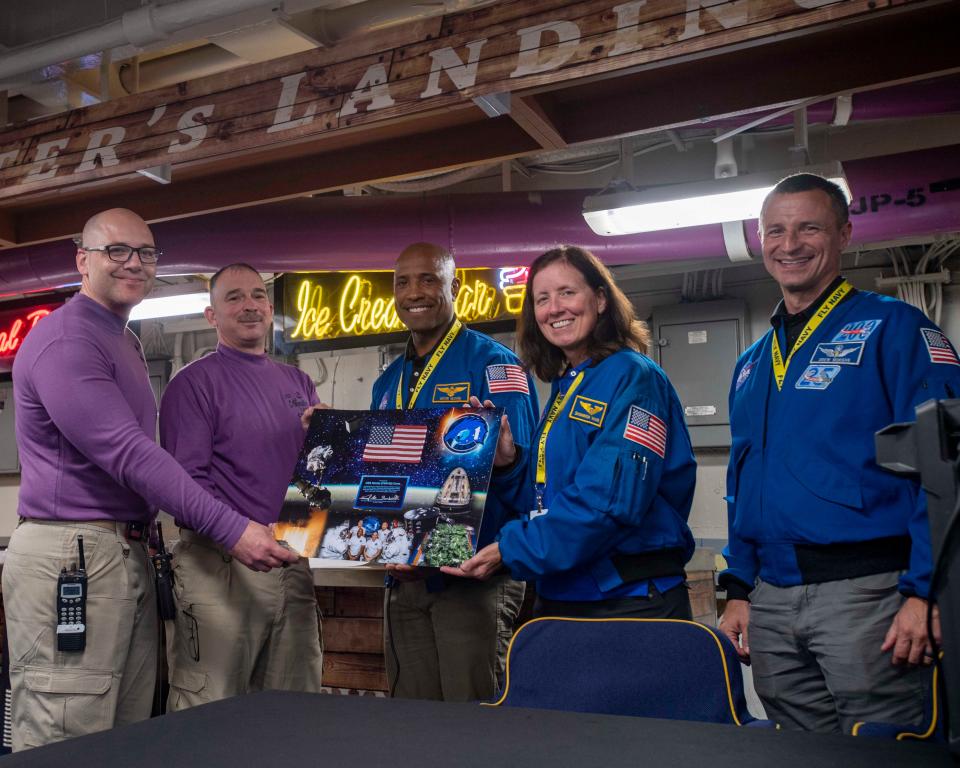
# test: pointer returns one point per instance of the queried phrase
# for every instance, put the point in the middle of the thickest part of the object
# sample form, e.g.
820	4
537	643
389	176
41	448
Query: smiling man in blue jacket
829	555
446	637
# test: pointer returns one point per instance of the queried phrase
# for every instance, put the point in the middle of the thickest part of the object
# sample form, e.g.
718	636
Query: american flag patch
401	443
938	347
645	428
507	378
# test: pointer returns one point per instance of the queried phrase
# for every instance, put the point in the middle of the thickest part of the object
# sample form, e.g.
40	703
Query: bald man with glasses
86	421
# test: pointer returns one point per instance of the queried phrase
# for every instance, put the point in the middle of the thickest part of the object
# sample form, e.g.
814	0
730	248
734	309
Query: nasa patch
839	352
744	375
858	331
588	411
458	392
818	376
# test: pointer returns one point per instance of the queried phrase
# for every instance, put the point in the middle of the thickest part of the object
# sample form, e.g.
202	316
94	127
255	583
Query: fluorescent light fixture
171	306
737	198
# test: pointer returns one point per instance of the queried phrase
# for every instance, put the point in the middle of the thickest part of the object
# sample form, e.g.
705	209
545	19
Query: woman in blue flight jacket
604	491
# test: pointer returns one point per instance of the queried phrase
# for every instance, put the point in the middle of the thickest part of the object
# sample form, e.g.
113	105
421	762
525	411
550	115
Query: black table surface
301	729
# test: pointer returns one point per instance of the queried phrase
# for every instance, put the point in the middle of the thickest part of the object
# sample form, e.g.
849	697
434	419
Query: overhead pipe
139	27
924	98
915	194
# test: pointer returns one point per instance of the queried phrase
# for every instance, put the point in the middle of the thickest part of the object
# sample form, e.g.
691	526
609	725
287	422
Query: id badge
535	513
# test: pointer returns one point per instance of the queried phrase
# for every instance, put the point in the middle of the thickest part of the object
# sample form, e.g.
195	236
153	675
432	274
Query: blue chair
664	668
932	728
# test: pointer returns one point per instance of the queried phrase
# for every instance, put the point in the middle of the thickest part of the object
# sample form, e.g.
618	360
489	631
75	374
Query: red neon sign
16	324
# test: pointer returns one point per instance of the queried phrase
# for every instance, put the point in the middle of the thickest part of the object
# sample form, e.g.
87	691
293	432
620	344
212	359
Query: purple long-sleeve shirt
232	420
86	421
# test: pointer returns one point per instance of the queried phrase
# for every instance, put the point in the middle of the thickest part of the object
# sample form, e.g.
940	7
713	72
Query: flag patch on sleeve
939	349
646	429
507	378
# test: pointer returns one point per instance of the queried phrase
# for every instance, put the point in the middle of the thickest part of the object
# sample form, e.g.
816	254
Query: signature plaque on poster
378	487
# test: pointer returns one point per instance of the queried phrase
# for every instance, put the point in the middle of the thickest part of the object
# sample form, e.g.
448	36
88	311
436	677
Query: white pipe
139	27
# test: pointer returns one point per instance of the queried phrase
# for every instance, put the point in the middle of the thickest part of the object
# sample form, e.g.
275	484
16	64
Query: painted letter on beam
446	60
628	19
283	117
373	88
46	152
101	145
529	61
727	15
192	124
10	156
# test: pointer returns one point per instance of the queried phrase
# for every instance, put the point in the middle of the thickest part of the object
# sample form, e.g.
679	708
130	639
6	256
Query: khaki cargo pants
57	695
237	630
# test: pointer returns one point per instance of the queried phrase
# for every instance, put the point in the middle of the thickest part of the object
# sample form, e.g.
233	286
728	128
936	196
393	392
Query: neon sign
329	305
16	324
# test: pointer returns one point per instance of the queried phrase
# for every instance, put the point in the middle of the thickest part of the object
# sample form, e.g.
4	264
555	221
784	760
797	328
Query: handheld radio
72	605
163	571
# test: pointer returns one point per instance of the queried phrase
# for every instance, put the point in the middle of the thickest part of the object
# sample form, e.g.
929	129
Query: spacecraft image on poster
378	487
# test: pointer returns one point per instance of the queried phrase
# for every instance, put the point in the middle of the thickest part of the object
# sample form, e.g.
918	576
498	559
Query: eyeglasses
121	253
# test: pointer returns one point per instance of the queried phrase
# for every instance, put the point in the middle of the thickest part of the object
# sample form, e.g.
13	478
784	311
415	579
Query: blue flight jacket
607	493
460	374
803	461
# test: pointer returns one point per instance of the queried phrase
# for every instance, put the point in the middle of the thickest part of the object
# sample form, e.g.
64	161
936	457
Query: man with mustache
236	421
86	421
446	636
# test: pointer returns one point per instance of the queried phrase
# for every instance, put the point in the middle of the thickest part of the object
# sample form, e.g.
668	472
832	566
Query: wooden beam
841	59
512	47
307	173
530	116
8	229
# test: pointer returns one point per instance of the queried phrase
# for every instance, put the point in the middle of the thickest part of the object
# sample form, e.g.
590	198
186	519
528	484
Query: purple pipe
898	196
927	97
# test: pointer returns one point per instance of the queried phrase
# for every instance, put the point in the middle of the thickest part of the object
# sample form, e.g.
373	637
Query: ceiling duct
897	197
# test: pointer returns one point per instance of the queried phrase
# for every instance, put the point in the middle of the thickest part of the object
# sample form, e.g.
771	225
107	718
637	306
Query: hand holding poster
391	486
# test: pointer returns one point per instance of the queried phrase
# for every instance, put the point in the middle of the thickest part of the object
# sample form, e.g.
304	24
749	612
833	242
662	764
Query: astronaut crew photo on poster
391	486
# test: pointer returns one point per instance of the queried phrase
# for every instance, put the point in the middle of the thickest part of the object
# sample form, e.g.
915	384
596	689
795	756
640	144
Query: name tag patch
588	411
858	331
458	392
839	353
818	376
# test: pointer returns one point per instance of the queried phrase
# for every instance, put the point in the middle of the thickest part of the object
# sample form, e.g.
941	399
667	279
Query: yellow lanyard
559	403
780	367
428	369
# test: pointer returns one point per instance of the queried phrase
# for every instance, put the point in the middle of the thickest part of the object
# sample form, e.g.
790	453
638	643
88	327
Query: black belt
650	565
831	562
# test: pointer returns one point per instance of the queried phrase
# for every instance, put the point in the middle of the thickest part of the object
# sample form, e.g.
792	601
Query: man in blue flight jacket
829	555
446	637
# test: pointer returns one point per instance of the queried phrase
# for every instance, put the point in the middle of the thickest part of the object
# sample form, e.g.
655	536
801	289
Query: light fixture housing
177	305
737	198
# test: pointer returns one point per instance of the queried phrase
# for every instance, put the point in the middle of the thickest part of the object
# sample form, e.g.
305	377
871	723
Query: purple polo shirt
86	422
232	420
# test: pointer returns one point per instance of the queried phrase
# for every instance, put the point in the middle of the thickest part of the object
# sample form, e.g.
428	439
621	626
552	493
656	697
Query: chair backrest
663	668
932	728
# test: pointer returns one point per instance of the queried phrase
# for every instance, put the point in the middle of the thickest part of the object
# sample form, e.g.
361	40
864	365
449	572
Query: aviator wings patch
839	353
458	392
588	411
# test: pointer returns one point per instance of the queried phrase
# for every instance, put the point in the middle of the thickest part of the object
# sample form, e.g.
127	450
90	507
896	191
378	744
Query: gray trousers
449	645
815	652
